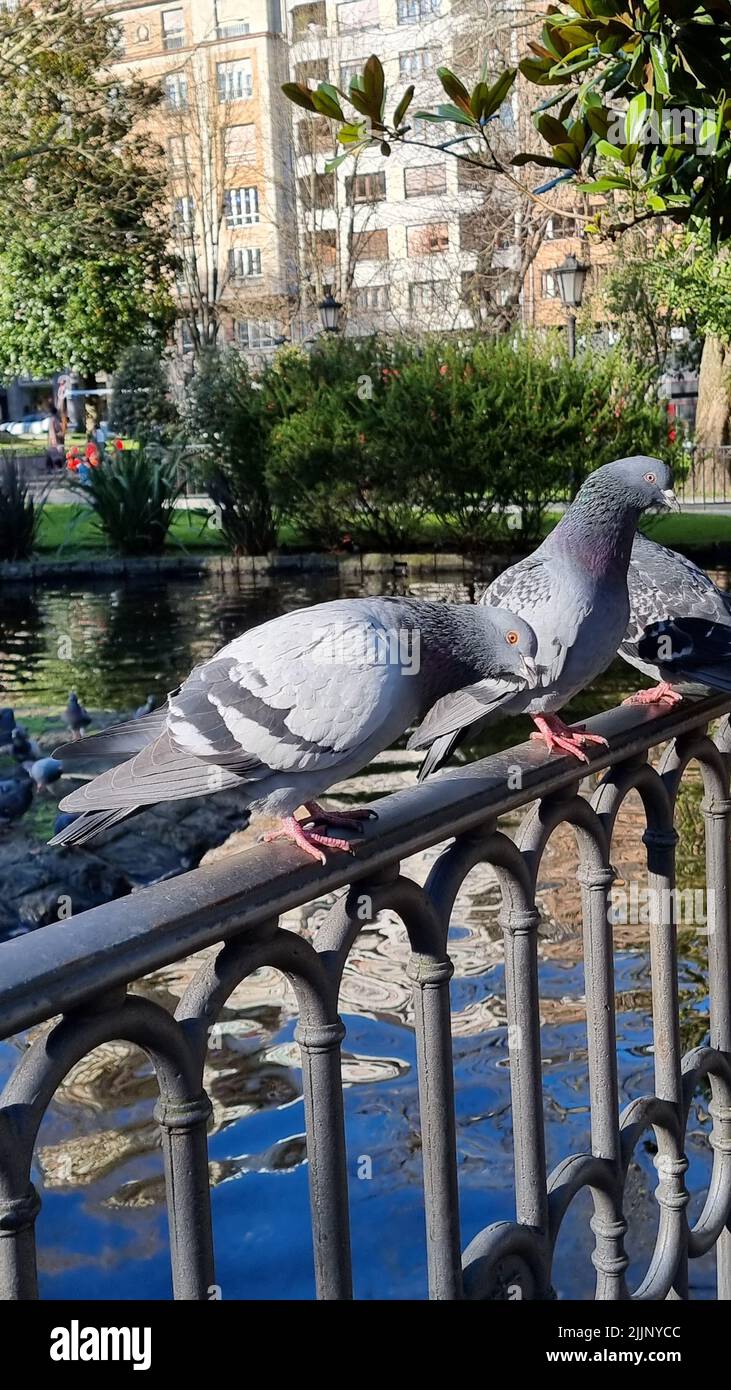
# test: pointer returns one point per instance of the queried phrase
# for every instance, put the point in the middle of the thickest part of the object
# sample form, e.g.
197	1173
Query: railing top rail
60	966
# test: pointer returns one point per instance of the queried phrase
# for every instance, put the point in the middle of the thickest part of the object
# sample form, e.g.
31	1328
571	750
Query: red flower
672	435
118	444
72	463
443	369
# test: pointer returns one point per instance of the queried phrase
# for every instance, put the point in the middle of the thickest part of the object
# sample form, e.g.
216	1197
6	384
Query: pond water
102	1229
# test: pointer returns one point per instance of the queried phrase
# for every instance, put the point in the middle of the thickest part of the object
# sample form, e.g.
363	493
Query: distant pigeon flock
300	703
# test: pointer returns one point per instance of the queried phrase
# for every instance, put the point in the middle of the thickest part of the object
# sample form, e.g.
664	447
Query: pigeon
76	716
679	627
147	708
16	795
573	592
7	724
62	821
44	771
296	704
24	749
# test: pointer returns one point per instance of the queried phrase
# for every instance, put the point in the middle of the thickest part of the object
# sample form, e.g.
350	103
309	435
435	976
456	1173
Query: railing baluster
717	818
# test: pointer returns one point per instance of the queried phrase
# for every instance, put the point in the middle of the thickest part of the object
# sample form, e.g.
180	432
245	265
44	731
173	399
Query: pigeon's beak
530	670
670	500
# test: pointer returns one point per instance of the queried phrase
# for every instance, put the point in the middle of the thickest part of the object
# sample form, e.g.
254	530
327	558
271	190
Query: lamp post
329	310
571	277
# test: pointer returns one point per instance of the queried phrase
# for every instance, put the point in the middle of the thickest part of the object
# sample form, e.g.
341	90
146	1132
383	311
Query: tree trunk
713	416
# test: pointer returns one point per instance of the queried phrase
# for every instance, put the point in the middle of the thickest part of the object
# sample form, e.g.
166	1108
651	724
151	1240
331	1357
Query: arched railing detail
81	971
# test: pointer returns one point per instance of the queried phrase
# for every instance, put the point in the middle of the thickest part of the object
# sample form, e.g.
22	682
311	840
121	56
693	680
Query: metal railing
80	969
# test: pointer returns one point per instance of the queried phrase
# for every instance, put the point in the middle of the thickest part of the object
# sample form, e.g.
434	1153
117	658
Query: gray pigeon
679	627
16	795
289	708
76	716
44	771
147	708
573	592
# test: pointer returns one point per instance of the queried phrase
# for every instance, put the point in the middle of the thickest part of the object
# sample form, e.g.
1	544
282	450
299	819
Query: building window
173	29
549	287
235	80
142	33
254	333
239	144
186	340
558	226
312	70
416	63
176	91
307	19
244	262
371	246
242	207
325	247
427	240
357	14
425	178
422	295
230	19
416	11
367	188
350	70
176	152
321	195
183	213
371	298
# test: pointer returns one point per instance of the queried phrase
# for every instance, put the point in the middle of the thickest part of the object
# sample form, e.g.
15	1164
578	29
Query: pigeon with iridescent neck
573	592
680	625
291	707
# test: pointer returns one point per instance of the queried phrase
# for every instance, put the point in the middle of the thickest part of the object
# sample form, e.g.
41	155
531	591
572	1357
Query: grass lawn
70	528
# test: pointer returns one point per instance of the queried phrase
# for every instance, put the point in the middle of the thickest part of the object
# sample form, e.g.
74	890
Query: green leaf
540	71
543	160
454	89
327	105
553	132
403	107
608	151
497	93
332	164
299	94
597	120
351	132
660	70
374	85
604	184
635	118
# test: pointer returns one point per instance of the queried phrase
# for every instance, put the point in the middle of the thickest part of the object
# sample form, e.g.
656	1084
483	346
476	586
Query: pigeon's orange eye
651	477
512	637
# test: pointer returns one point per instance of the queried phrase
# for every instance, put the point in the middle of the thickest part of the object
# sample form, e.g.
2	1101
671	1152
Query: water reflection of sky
102	1228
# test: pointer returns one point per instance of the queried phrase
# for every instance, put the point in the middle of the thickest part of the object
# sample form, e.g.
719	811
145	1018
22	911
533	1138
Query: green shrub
141	403
228	420
132	494
372	436
336	465
20	514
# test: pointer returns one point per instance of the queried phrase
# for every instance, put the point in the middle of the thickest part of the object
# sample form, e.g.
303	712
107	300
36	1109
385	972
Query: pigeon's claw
308	840
662	694
561	737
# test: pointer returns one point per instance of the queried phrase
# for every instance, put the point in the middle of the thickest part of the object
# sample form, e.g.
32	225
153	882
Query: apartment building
385	231
225	128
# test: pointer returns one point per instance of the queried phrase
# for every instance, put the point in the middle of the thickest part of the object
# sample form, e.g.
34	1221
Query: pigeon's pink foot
662	694
561	737
293	830
350	819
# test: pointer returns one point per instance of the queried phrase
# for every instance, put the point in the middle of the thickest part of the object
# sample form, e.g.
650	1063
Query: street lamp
570	278
329	310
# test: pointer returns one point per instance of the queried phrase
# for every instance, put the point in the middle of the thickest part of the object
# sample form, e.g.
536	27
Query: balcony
81	969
